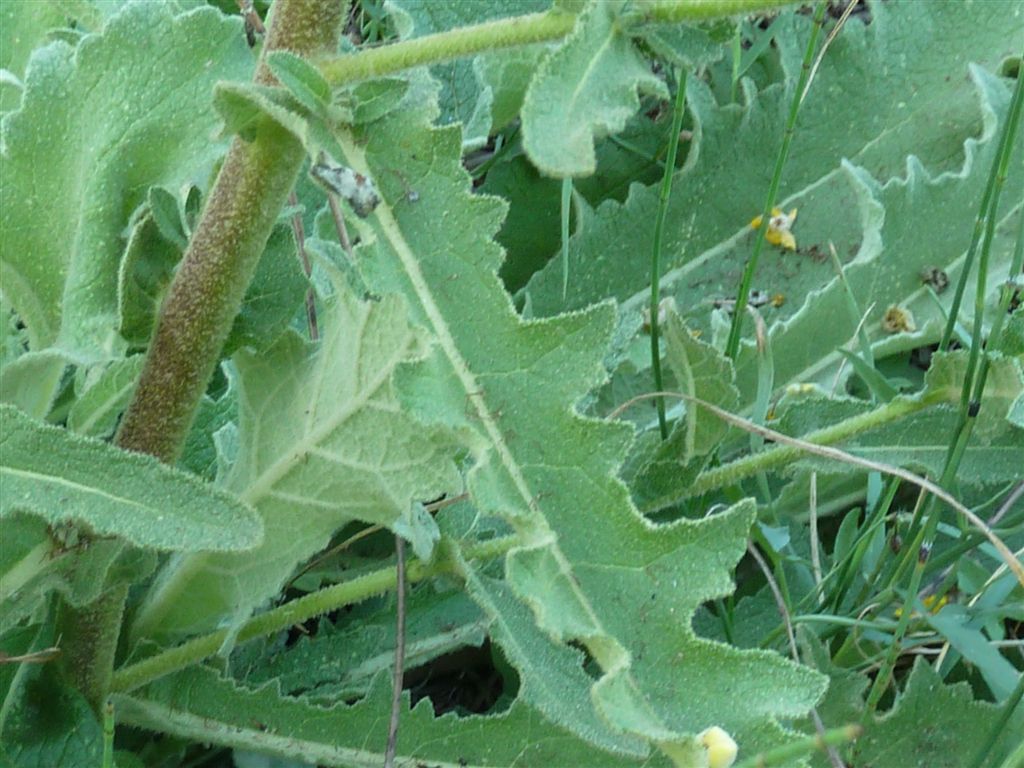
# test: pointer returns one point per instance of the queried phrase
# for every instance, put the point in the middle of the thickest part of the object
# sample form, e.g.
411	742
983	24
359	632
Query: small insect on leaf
356	189
936	278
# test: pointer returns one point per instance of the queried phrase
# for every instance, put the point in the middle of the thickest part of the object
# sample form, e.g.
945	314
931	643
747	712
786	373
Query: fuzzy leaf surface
197	704
88	142
509	386
63	477
937	725
322	441
585	89
877	228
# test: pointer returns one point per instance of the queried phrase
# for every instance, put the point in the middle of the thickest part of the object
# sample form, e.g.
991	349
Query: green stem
967	417
295	612
787	753
733	345
985	210
1002	166
779	456
547	27
566	205
108	734
445	46
208	288
665	193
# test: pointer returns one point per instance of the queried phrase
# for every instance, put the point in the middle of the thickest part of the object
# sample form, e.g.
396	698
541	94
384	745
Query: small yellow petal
720	746
755	222
792	216
787	241
776	211
775	236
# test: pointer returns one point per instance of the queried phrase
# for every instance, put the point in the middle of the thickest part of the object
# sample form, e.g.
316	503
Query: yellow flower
778	228
720	746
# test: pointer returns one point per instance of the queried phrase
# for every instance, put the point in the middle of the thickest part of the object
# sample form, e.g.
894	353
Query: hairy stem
297	611
781	455
207	291
547	27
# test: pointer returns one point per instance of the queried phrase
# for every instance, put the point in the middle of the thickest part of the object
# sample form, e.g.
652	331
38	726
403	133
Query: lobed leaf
196	704
590	568
586	88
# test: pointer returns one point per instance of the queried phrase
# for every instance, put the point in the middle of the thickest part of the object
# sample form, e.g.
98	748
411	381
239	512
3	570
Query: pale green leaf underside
585	89
63	477
511	386
86	145
322	441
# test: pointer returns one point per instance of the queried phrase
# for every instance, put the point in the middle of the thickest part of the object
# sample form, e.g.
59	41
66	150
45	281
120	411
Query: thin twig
837	455
396	693
780	603
300	243
339	225
1015	494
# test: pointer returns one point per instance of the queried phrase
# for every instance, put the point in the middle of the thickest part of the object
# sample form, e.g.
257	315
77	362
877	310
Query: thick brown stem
207	292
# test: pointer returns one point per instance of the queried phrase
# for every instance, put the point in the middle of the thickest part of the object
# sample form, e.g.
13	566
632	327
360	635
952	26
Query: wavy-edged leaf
196	704
510	386
937	725
85	147
63	477
481	93
588	87
322	441
878	229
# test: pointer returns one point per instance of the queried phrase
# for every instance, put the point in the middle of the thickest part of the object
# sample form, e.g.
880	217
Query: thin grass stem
739	311
678	109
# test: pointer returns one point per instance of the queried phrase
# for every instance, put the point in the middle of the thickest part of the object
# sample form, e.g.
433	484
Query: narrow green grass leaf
62	477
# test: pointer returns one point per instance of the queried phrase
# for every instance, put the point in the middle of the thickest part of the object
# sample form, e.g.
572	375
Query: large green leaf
63	477
322	441
44	722
99	124
586	88
510	387
878	230
480	92
938	725
196	704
